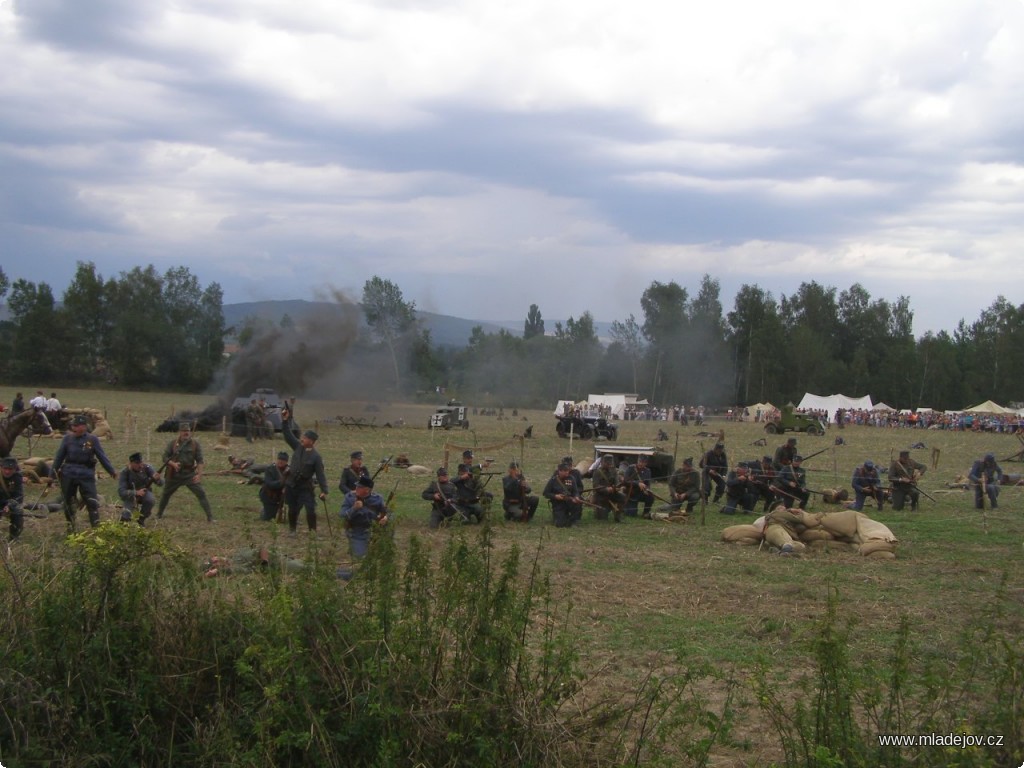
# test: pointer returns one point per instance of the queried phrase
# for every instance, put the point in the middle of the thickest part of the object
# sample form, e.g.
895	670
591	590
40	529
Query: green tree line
148	330
141	329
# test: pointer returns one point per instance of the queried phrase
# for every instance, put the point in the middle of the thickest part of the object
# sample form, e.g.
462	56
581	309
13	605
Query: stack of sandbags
745	534
98	423
795	529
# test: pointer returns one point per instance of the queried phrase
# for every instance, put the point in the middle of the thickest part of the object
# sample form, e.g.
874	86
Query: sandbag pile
795	530
98	423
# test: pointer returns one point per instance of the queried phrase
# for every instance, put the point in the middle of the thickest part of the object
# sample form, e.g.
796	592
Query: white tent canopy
832	403
988	407
882	407
616	402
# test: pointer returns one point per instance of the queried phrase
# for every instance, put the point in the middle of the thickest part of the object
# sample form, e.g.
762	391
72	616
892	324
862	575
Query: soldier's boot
94	517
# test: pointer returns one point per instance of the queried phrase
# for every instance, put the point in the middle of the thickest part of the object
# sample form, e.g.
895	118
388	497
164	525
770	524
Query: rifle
816	453
383	466
387	504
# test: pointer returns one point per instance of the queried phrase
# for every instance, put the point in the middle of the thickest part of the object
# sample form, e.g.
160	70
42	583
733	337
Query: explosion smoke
292	359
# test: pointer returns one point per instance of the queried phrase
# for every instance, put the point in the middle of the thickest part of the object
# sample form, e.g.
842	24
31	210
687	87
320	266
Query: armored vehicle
272	405
447	416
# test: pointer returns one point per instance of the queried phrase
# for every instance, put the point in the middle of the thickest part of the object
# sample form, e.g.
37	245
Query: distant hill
445	331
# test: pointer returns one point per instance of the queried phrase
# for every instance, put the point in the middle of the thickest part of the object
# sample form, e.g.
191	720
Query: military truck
448	416
790	421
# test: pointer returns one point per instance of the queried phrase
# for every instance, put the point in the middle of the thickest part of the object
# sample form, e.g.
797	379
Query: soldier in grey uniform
684	486
350	475
183	458
605	483
75	465
441	495
12	495
305	468
134	487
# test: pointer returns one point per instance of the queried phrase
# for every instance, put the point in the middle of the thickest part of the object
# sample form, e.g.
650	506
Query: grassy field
646	594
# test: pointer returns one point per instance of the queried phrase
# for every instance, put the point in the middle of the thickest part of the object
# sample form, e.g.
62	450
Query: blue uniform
130	483
359	519
75	465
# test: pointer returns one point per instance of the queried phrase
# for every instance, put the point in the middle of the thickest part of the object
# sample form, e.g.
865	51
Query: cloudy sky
489	154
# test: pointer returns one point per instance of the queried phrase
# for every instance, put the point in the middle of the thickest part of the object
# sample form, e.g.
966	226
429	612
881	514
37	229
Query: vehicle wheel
813	431
771	429
586	432
613	433
560	428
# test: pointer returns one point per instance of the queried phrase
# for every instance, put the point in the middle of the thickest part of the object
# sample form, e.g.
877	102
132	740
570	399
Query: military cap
184	426
79	420
356	455
567	460
135	457
767	459
642	458
513	464
311	434
564	466
990	457
607	458
442	472
869	464
792	441
719	445
688	461
365	482
282	455
904	453
467	454
9	462
798	457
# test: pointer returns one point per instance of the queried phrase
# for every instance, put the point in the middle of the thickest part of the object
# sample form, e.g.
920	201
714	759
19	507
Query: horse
12	426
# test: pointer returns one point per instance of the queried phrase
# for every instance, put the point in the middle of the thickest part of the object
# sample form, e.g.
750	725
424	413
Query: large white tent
616	402
832	403
988	407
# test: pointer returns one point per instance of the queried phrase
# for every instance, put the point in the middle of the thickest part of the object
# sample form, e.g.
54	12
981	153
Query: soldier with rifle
606	484
566	497
784	454
867	484
684	486
739	491
985	476
12	495
903	476
762	475
183	460
305	468
272	485
790	484
134	486
441	495
361	510
518	502
469	494
715	467
637	483
350	475
75	465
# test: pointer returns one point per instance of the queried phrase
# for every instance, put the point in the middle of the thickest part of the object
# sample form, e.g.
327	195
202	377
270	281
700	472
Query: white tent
988	407
616	402
832	403
764	409
882	407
